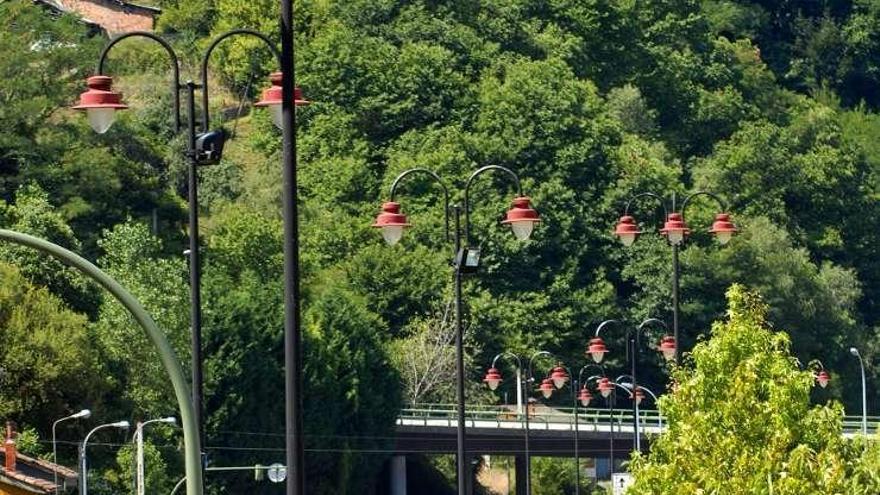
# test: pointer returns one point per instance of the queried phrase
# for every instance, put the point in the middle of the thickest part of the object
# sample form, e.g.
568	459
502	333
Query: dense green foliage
740	420
769	104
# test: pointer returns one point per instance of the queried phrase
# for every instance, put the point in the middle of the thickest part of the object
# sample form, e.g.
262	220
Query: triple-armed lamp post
204	147
676	230
521	218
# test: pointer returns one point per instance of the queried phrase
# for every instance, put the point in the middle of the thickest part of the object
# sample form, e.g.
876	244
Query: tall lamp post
84	413
582	397
855	352
606	389
84	488
667	347
676	230
204	147
140	483
557	379
522	219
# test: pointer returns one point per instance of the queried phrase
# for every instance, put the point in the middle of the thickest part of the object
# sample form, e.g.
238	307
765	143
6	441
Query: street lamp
666	347
204	147
140	483
855	352
676	230
84	489
84	413
639	396
557	375
817	369
606	389
392	223
582	397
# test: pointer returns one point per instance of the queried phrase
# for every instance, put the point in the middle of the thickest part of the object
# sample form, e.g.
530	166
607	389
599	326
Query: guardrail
540	418
545	418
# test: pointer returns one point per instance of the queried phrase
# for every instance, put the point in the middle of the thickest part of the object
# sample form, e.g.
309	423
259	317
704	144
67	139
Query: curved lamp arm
508	355
467	188
645	324
708	194
581	382
207	56
437	179
659	199
118	424
532	361
604	324
175	66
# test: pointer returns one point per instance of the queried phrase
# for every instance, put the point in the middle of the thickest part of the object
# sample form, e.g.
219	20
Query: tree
740	419
48	366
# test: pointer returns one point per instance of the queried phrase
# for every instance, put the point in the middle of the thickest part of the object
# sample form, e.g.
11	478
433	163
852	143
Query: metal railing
546	418
540	418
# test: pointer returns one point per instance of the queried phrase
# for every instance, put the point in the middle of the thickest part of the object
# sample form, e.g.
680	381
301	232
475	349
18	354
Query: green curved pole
191	445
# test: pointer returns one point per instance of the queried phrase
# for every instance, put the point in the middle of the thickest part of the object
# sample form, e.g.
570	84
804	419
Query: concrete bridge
602	434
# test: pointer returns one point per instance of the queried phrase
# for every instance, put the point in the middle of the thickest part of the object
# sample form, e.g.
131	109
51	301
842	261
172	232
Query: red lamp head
522	218
596	349
722	228
822	378
675	229
584	397
605	387
667	347
100	103
392	222
493	378
627	230
546	388
559	376
272	98
638	396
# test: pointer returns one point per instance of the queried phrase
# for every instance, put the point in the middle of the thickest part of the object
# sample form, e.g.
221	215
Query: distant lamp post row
204	147
676	230
138	439
466	258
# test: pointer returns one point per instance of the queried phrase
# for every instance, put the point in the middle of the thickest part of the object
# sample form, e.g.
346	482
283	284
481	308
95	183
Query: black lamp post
522	219
598	350
205	147
607	390
582	397
557	379
676	230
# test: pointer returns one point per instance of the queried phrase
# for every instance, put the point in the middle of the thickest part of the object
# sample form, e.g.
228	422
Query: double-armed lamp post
667	347
204	147
676	230
556	379
522	219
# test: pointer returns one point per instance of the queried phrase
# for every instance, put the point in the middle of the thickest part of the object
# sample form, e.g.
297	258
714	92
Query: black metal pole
292	335
461	465
577	462
675	308
634	344
195	264
611	415
525	386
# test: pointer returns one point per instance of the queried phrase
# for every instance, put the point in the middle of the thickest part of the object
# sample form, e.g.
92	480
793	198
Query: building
112	16
24	475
